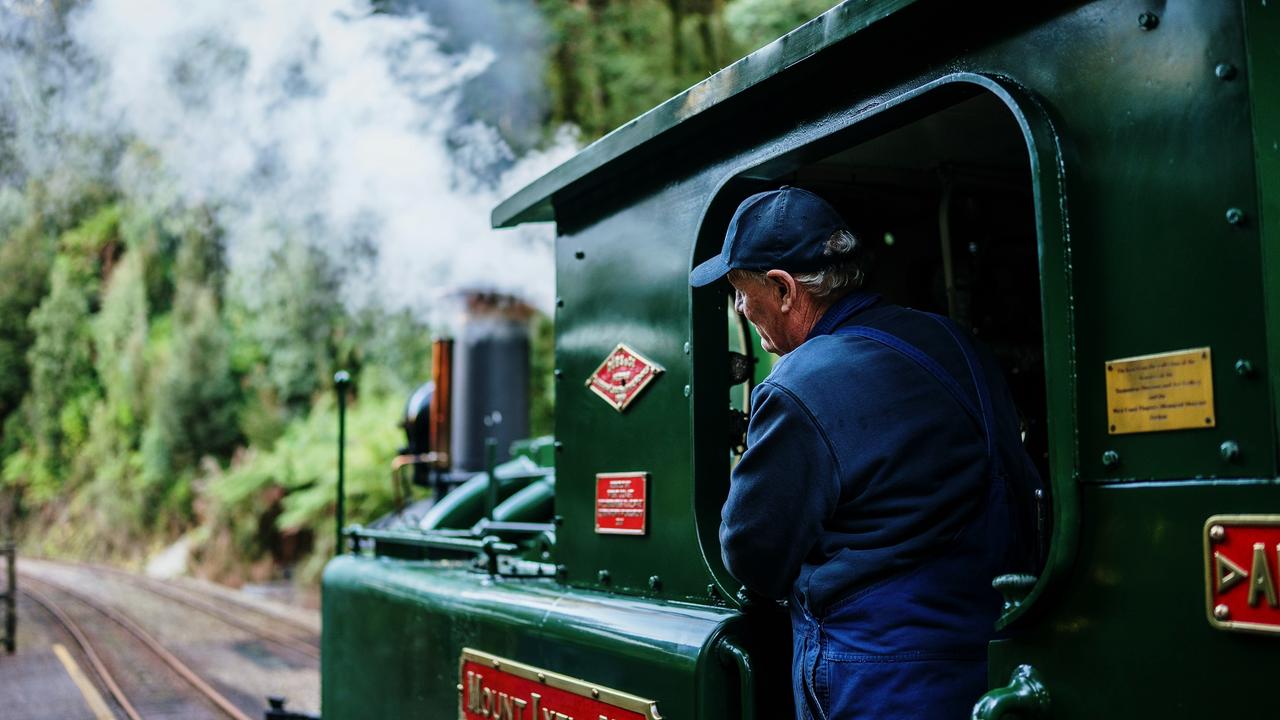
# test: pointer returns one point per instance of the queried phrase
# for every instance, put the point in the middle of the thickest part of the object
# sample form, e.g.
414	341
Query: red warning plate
621	500
493	687
1242	567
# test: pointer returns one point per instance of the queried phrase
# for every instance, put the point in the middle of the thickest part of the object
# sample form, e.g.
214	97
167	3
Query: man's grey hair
842	275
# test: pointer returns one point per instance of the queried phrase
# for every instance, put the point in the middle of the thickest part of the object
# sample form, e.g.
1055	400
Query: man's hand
750	602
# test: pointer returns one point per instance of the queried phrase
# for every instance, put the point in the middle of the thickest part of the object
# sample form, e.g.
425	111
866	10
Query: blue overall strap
977	375
980	414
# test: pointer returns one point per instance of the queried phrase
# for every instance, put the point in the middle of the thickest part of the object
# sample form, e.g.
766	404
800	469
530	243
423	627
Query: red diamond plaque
622	375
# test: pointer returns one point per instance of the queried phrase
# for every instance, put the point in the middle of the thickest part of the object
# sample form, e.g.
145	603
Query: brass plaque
1166	391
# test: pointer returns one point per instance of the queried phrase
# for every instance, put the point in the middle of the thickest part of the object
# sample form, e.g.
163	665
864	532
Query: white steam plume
317	120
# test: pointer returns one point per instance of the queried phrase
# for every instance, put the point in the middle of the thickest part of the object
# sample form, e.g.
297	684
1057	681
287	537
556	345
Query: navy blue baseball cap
784	229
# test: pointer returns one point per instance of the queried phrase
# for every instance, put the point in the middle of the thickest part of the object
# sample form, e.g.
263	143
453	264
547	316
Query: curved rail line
87	648
274	617
186	673
288	642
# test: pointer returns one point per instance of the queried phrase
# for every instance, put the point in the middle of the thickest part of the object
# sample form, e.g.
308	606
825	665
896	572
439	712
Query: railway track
244	649
305	646
82	641
208	694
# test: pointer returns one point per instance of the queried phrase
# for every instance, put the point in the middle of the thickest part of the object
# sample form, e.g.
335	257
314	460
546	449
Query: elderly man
884	483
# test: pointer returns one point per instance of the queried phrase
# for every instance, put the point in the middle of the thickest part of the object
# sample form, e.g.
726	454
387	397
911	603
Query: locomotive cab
1089	187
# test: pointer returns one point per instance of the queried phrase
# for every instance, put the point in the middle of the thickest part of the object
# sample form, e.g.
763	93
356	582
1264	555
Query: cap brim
708	272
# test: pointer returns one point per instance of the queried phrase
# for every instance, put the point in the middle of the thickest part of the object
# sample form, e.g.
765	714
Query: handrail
399	462
497	527
731	654
432	541
1025	696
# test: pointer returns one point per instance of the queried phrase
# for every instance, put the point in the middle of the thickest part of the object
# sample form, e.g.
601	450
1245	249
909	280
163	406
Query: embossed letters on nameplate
494	688
622	376
1166	391
1242	569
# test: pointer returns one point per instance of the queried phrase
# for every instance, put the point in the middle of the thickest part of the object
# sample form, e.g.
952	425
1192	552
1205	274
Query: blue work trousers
914	645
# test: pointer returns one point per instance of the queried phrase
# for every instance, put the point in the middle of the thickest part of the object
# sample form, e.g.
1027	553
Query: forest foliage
147	392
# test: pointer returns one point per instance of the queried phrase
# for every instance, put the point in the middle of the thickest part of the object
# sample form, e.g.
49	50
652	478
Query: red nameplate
1242	568
493	687
621	500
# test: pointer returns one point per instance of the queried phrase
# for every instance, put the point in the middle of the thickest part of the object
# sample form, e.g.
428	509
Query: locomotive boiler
1089	187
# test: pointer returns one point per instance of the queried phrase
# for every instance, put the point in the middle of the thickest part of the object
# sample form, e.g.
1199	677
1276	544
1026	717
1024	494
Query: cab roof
533	203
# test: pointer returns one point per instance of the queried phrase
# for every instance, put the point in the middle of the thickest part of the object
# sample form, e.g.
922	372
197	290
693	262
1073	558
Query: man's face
761	302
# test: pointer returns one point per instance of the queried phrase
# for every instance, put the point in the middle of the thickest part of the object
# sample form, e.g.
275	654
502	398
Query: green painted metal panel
1146	262
1128	634
646	307
1159	149
394	633
1262	28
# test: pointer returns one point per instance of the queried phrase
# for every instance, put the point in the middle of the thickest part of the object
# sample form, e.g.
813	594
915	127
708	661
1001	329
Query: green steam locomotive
1090	187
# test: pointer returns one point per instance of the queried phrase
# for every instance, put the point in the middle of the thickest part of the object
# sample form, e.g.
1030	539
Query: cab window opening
944	210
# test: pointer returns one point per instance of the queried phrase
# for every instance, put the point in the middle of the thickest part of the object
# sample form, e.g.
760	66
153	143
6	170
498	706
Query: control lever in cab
742	362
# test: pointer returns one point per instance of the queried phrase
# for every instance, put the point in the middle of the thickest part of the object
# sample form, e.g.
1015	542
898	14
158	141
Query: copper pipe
402	461
440	427
430	458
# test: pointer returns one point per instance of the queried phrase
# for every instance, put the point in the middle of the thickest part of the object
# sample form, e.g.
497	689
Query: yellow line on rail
92	698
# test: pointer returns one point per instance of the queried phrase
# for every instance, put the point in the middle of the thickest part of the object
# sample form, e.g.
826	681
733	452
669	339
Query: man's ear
784	285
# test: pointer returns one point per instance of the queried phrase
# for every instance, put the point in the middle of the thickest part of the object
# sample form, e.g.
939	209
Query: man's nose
737	300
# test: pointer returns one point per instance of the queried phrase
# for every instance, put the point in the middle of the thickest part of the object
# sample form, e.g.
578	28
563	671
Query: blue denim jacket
884	485
859	465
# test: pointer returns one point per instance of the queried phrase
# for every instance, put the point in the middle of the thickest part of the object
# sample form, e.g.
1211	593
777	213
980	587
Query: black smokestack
491	378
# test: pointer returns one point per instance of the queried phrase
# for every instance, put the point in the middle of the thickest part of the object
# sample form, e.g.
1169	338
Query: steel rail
178	587
152	644
279	639
87	648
